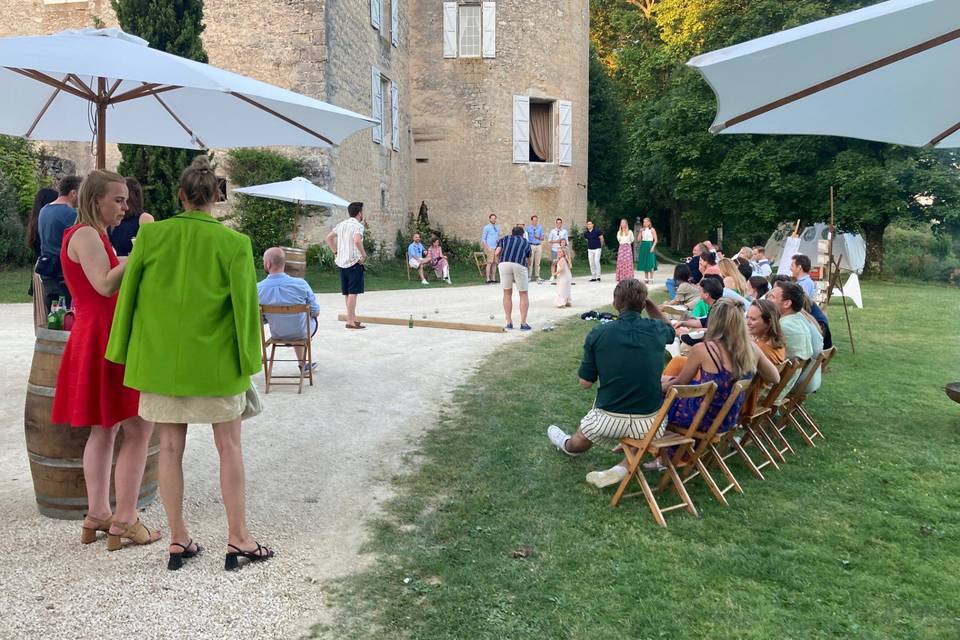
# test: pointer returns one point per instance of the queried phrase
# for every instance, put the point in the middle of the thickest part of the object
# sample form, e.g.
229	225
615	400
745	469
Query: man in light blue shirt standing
416	257
535	240
800	270
488	242
279	288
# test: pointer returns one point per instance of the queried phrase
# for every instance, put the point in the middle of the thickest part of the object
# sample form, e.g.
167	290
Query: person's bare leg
508	305
173	440
301	354
131	460
97	460
420	269
577	443
351	308
524	306
233	483
490	266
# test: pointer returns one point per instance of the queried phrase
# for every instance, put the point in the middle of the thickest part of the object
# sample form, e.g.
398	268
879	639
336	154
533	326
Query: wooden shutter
376	13
521	129
395	22
489	22
449	29
565	132
395	115
377	95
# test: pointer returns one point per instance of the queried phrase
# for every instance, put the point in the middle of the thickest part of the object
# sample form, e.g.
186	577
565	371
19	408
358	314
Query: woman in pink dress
438	261
625	253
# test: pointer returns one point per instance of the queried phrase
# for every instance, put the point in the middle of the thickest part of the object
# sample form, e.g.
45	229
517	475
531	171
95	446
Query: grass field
379	277
496	535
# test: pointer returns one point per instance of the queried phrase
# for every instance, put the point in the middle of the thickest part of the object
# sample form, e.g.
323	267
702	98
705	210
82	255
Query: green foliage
607	147
322	256
173	26
919	253
577	241
457	250
13	250
19	168
259	166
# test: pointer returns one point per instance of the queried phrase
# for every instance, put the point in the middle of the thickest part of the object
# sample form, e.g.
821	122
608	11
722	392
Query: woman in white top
563	276
625	253
646	258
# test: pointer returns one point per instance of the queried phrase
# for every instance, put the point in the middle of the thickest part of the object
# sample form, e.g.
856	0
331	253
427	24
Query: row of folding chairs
758	438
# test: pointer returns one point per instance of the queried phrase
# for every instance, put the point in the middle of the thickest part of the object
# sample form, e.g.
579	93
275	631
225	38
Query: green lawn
857	538
380	276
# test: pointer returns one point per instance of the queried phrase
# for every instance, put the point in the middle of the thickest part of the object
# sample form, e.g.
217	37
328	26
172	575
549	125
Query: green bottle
53	318
61	311
410	322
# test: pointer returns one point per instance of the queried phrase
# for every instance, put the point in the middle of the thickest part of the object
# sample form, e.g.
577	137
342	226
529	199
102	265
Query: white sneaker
424	282
559	438
447	280
607	477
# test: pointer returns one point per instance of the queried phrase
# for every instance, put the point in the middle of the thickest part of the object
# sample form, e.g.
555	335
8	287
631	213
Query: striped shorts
606	425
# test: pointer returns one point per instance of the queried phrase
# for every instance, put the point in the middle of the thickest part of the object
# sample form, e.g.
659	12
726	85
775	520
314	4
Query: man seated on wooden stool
281	289
417	257
627	357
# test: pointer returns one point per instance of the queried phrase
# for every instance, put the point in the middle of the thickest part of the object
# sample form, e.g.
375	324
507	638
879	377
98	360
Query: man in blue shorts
346	242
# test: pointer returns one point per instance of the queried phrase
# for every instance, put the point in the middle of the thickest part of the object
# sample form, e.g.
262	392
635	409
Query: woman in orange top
763	323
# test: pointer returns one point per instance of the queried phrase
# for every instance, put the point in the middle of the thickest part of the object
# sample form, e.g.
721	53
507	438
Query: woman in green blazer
187	327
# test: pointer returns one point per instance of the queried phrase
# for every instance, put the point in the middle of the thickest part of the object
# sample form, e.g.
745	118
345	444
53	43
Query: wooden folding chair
768	424
753	424
729	445
696	460
39	304
650	445
801	407
306	370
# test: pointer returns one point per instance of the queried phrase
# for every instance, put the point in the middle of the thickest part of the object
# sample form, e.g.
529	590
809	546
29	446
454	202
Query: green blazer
187	321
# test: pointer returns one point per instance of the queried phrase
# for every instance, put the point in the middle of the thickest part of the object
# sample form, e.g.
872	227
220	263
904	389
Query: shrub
19	165
917	252
13	250
321	255
458	251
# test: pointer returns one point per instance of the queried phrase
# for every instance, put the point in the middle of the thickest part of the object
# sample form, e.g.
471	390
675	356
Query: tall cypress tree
173	26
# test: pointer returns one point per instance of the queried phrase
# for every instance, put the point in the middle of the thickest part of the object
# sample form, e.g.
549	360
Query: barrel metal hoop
57	463
39	390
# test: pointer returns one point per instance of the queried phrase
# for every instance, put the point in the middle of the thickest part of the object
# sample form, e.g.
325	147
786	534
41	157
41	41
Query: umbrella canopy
298	190
879	73
107	85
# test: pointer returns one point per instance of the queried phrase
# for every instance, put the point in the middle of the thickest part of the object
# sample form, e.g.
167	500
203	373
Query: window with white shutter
376	13
521	129
449	29
565	130
489	23
395	22
469	32
377	96
395	115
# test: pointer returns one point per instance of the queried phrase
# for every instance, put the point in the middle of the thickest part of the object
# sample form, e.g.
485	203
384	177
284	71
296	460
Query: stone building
483	104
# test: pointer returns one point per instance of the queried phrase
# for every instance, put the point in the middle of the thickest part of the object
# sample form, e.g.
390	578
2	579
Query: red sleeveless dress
90	389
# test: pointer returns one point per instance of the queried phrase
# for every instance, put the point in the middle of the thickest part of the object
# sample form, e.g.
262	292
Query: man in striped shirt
626	357
512	253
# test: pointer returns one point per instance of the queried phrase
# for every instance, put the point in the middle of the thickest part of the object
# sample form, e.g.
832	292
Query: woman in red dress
90	391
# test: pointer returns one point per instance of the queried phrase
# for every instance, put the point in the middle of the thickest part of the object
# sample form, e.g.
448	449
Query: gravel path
318	466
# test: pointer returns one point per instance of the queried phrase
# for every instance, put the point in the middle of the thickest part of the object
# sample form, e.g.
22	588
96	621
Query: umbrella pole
101	124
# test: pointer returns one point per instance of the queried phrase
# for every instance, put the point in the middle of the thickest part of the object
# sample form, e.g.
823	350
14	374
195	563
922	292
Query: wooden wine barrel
296	261
56	450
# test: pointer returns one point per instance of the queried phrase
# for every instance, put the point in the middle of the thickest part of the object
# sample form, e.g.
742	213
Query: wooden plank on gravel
428	324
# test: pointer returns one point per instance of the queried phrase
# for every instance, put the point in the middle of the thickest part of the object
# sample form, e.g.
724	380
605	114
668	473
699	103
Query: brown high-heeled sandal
88	535
135	533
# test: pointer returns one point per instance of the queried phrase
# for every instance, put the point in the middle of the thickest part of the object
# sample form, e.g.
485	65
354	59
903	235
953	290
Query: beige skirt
190	409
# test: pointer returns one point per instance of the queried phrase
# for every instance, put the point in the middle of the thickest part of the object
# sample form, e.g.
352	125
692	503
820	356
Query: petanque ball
491	316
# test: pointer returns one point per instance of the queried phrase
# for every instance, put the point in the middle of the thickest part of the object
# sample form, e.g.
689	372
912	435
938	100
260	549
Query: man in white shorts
627	357
417	257
513	252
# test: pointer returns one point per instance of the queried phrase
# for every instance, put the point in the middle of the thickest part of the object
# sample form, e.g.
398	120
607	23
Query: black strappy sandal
176	559
259	554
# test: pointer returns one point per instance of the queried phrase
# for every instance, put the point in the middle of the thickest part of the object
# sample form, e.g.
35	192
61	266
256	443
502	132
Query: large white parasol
108	86
299	191
885	73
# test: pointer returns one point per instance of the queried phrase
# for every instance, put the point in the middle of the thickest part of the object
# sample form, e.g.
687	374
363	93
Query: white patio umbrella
108	86
299	191
886	72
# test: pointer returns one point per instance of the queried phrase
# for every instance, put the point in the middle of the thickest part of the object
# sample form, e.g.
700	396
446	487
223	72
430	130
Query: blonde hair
728	327
728	268
199	182
92	189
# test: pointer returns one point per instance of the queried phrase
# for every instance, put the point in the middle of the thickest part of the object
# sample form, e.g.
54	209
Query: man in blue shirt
594	239
52	221
488	242
279	288
800	270
514	252
535	240
416	257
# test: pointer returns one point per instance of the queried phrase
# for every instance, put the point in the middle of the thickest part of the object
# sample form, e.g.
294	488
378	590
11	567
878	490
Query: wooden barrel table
296	261
56	450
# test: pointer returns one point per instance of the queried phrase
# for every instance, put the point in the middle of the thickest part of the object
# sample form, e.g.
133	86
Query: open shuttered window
564	132
449	29
377	95
395	116
489	22
521	129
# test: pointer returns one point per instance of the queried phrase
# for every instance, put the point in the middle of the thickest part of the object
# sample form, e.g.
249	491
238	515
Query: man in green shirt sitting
626	356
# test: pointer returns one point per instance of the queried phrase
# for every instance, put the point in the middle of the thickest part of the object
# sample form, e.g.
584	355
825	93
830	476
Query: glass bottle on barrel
53	318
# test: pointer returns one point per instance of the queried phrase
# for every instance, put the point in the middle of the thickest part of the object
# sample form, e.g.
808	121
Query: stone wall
463	116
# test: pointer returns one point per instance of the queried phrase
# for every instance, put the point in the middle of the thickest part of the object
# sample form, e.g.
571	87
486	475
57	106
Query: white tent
850	247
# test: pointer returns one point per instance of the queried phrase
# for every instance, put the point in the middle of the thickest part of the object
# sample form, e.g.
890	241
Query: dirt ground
318	467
